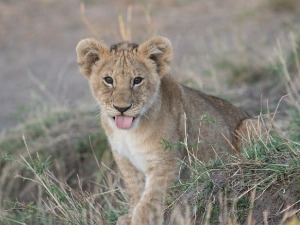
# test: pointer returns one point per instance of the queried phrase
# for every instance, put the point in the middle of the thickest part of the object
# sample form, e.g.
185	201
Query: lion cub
143	106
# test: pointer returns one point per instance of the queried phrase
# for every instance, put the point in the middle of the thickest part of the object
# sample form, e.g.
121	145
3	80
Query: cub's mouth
123	122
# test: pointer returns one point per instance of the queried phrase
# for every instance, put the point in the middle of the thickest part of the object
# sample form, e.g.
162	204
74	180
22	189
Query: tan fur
164	111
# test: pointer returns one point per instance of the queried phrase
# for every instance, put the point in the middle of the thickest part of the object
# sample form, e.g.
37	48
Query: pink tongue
123	122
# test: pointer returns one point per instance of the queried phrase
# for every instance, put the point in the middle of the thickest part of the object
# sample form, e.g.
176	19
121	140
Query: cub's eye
137	80
108	80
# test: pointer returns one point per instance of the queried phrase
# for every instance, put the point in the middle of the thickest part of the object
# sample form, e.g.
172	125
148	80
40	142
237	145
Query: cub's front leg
150	208
134	183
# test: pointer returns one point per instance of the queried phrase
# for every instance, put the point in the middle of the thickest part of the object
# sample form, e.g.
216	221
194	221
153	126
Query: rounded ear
158	49
89	51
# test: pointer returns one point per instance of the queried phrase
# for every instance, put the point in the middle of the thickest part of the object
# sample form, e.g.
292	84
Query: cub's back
211	123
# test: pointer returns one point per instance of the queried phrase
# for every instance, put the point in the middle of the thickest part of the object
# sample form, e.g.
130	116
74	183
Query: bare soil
38	39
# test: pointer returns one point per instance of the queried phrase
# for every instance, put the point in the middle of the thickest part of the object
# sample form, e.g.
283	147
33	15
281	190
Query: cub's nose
122	109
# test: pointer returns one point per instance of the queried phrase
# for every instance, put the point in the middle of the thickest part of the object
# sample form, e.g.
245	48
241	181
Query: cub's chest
128	146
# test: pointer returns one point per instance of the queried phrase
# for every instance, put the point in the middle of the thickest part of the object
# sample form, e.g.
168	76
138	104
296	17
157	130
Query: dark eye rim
137	80
108	80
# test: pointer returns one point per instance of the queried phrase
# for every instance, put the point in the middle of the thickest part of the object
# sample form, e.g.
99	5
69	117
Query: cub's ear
158	49
89	51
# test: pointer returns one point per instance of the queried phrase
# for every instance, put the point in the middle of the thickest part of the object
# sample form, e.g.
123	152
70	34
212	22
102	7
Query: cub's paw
124	220
146	216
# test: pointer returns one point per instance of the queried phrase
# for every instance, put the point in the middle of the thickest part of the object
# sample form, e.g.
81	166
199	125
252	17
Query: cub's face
125	78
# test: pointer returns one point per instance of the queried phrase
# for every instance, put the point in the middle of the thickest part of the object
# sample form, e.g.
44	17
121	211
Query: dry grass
258	187
291	76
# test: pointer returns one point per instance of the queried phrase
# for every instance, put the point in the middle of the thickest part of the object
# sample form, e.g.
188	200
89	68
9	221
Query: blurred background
218	46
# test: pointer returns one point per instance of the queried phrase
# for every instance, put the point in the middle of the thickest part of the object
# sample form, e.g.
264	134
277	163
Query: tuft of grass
61	204
70	145
270	167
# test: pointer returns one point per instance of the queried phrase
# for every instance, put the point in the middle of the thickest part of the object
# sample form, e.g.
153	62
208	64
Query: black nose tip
122	109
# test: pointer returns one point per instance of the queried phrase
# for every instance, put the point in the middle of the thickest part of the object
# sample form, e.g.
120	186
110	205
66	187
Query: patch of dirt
276	201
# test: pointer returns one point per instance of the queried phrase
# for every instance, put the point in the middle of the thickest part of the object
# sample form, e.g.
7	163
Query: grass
284	66
67	143
270	167
268	171
53	171
246	73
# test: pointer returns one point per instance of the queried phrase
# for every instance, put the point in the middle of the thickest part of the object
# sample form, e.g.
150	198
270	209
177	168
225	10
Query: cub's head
124	78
